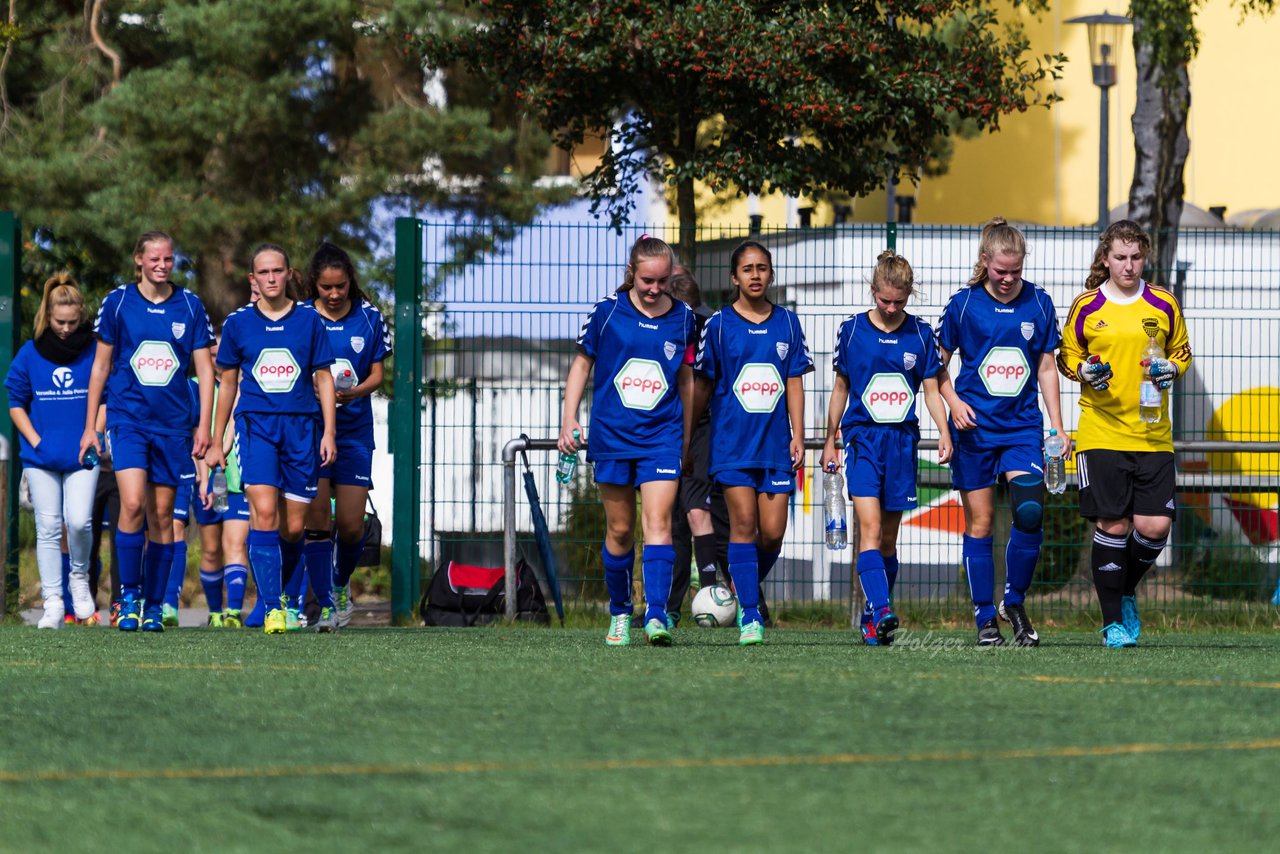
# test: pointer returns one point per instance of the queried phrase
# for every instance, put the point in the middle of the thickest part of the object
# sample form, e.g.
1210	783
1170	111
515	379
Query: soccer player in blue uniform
224	560
275	358
751	363
360	342
1005	330
150	334
48	388
640	343
885	354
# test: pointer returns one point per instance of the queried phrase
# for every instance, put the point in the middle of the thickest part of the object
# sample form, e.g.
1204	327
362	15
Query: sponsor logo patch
1004	371
758	387
276	371
63	378
888	398
154	363
640	384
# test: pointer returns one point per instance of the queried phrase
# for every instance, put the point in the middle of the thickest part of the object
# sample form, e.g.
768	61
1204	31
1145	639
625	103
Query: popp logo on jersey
758	387
888	398
154	363
276	370
1004	371
640	384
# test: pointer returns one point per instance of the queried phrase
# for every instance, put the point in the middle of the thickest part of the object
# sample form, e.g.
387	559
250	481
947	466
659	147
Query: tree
746	95
236	122
1165	41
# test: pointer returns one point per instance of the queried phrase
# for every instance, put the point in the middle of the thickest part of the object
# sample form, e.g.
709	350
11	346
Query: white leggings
62	499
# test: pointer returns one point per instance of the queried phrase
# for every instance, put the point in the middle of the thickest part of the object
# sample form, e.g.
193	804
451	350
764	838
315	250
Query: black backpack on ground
460	595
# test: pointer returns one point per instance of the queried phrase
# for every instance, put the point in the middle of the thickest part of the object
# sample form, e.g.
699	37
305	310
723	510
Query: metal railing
1188	481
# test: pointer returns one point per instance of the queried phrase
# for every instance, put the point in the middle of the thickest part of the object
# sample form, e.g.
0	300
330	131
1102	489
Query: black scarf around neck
64	351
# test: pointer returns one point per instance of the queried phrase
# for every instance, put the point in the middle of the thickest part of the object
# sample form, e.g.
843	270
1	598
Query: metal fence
498	339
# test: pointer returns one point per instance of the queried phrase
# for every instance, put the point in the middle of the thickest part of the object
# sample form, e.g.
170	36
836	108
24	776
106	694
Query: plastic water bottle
833	502
1150	397
219	490
1055	463
91	458
345	380
568	463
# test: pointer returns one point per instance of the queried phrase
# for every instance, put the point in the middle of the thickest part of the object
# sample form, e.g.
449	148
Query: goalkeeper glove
1096	373
1162	372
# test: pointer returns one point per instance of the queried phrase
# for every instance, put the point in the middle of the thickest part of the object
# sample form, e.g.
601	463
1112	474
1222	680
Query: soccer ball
715	606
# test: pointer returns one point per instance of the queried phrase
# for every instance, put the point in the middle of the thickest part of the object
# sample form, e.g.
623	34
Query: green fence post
10	329
890	238
406	423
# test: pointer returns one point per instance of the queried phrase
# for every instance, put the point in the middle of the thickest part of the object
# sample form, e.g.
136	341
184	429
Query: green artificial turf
544	739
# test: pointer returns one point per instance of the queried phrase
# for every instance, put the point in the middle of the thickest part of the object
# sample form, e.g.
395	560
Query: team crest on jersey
782	347
178	329
669	349
357	343
909	360
1150	327
1028	329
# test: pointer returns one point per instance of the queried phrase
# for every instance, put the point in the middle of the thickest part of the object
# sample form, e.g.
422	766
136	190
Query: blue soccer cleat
886	625
868	625
153	618
1129	616
130	613
1115	636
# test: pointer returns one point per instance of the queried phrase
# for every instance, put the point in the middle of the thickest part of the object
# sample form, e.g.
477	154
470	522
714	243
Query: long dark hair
330	257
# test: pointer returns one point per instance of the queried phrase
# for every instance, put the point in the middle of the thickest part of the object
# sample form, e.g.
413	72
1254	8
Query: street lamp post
1104	53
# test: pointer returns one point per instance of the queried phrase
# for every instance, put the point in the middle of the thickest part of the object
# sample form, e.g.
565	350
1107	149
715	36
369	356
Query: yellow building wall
1042	165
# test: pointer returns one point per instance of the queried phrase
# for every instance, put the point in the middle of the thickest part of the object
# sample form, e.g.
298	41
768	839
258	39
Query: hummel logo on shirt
151	310
273	328
1004	311
644	325
757	331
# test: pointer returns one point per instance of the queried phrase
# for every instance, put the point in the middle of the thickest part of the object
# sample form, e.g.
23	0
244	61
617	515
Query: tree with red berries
749	95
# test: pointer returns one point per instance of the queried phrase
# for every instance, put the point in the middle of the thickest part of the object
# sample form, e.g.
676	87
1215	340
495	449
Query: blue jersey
635	407
884	370
1000	347
152	358
276	358
56	398
358	340
749	365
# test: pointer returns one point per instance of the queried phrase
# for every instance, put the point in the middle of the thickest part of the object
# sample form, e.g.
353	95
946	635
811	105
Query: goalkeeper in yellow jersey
1124	447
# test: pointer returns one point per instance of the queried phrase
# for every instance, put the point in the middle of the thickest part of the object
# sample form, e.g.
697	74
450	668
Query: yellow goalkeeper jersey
1117	330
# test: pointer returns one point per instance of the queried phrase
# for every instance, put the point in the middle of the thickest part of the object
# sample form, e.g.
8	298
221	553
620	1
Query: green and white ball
715	606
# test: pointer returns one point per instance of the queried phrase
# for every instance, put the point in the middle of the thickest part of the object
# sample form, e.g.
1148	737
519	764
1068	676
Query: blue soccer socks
1020	558
875	582
264	558
745	573
617	580
129	554
980	567
657	563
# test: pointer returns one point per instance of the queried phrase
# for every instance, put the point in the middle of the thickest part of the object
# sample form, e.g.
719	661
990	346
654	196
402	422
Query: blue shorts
166	459
977	465
773	481
181	508
354	467
281	451
637	471
880	463
237	510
